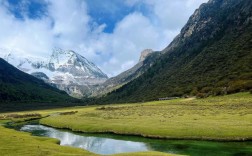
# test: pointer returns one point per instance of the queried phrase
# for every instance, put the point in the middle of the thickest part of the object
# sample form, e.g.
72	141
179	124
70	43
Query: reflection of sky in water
93	144
104	145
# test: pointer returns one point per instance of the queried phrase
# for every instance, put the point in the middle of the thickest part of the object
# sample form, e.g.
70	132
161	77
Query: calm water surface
112	144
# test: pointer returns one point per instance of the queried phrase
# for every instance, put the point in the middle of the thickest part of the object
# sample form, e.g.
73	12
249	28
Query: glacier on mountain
65	69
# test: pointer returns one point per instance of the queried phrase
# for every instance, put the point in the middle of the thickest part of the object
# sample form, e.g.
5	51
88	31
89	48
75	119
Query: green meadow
214	118
222	118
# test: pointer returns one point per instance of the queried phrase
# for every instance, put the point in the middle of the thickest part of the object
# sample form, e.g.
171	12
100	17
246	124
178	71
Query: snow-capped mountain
65	69
71	62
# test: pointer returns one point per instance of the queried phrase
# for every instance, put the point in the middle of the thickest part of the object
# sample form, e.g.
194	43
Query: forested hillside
19	91
211	56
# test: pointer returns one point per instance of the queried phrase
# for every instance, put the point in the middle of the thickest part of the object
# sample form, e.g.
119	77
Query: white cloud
70	22
26	37
137	32
69	26
131	35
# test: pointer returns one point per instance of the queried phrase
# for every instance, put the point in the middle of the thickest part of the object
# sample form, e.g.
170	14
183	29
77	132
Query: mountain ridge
146	60
210	56
65	69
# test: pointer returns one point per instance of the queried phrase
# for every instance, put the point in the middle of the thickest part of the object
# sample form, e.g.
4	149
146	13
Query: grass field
13	143
215	118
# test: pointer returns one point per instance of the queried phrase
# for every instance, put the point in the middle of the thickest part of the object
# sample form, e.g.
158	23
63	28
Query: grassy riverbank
14	143
215	118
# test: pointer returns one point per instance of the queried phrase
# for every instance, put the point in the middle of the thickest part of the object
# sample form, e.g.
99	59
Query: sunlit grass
13	143
225	117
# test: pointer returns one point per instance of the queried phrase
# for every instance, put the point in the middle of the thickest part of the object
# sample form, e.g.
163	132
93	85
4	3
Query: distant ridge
147	59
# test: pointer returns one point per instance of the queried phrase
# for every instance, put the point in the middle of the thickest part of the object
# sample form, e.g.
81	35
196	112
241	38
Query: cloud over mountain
113	42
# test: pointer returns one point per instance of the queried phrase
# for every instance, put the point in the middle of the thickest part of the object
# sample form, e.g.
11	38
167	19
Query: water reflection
97	145
112	144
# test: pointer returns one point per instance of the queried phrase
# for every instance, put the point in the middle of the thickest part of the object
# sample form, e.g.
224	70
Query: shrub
201	95
206	90
194	92
219	91
241	85
68	113
32	115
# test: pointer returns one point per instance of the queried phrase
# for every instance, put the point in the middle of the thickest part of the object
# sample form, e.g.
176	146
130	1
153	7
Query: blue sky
112	11
110	33
109	13
33	9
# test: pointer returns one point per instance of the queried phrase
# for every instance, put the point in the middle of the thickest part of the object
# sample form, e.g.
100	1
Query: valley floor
227	118
215	118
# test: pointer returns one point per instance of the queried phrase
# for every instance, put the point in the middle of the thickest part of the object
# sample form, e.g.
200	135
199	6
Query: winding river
112	144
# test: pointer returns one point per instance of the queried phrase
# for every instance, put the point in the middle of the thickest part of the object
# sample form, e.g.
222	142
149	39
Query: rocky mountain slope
19	91
147	59
211	56
65	69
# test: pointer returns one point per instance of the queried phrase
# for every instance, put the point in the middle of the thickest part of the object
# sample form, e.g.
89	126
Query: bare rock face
207	22
144	54
147	59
